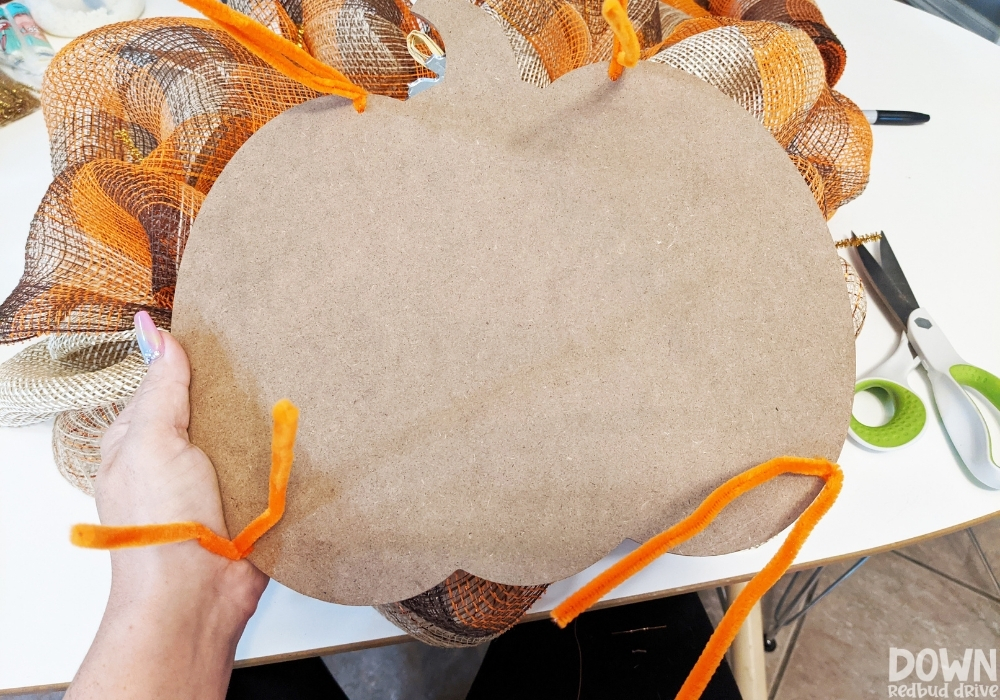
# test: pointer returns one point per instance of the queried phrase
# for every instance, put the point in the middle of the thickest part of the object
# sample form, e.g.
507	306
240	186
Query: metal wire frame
788	610
982	557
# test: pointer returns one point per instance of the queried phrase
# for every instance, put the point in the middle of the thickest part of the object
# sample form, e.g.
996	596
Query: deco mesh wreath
144	115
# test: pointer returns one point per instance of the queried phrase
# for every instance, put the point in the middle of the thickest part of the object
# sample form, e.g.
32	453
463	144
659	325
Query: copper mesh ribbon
856	294
463	610
144	115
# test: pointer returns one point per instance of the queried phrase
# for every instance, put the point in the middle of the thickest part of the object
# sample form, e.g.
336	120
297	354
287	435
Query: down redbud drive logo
940	673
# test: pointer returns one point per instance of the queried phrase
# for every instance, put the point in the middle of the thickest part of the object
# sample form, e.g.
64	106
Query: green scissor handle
979	458
950	377
908	416
979	379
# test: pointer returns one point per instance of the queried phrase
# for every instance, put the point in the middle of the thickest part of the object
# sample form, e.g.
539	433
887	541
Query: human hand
151	473
176	611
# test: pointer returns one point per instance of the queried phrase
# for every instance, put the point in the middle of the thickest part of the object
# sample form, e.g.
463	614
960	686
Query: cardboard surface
521	325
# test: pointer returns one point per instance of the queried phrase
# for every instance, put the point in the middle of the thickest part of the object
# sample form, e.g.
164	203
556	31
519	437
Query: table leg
747	652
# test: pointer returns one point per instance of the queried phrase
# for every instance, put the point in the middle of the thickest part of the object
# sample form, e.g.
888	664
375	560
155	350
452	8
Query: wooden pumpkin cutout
521	325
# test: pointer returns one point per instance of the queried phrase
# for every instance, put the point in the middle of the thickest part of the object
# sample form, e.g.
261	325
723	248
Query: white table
933	188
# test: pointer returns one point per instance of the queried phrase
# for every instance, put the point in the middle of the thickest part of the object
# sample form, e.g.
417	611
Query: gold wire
16	100
134	153
855	241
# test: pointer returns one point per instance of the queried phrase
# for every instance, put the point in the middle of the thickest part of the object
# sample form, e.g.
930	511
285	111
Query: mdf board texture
521	324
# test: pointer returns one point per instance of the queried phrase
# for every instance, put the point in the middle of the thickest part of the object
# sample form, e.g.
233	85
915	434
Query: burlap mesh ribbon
143	116
66	373
84	380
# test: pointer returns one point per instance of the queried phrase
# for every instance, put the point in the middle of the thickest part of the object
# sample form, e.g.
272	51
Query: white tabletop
933	190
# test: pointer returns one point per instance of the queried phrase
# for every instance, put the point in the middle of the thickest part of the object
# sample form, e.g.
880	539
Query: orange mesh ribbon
625	49
724	634
287	58
286	418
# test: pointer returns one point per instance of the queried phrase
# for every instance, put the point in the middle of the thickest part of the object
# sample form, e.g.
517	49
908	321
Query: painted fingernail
148	337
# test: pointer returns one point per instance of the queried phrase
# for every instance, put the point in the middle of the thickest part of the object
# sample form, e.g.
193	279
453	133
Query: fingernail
148	337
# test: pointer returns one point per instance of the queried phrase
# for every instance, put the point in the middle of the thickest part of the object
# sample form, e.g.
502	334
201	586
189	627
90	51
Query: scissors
948	374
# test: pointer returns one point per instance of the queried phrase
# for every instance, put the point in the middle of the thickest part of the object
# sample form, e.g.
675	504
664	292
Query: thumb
162	398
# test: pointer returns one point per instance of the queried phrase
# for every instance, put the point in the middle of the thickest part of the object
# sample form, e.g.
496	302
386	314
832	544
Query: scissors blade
890	282
895	272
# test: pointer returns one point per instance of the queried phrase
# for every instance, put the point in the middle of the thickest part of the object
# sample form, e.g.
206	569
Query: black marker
892	116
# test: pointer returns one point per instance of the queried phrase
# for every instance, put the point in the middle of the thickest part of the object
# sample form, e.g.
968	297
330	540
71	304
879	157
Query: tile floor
936	594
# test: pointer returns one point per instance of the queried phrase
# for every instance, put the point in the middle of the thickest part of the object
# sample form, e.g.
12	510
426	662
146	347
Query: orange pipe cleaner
731	622
286	419
281	54
625	49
